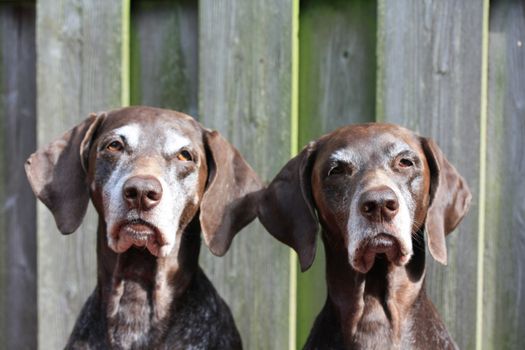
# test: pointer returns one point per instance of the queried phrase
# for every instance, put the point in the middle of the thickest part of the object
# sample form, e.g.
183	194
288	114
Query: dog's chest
373	330
380	328
132	322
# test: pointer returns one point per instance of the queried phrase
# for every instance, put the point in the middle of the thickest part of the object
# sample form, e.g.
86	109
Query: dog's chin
382	244
139	234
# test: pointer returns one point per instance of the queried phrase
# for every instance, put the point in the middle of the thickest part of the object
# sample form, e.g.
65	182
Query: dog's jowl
378	191
157	179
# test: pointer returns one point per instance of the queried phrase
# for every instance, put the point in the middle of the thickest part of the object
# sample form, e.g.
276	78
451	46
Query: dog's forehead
139	125
359	142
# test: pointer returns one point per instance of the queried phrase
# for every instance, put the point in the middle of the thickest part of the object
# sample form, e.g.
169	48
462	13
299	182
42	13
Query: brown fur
142	300
382	305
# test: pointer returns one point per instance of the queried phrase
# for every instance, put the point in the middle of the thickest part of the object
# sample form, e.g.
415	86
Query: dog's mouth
382	244
139	233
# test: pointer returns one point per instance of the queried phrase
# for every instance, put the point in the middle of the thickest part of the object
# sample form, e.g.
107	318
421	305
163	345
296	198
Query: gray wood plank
18	321
245	59
504	269
337	82
429	80
79	71
164	57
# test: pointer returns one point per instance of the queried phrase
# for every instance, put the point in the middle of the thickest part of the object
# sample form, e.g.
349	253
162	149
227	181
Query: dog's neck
375	304
138	290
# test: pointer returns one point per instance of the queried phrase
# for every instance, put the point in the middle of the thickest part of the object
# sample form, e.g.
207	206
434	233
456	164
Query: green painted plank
337	87
78	71
429	79
294	149
18	320
245	64
482	194
504	278
164	61
125	69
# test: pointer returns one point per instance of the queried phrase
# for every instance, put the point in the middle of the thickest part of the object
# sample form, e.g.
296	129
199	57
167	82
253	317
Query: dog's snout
379	204
142	192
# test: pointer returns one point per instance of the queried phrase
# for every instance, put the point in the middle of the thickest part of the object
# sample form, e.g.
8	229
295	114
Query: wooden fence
270	75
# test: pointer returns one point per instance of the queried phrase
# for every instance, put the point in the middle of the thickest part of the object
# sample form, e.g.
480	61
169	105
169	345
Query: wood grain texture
78	71
245	58
164	58
18	321
337	87
429	80
504	270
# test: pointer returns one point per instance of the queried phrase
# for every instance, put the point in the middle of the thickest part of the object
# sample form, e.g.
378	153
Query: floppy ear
449	200
229	201
57	174
286	207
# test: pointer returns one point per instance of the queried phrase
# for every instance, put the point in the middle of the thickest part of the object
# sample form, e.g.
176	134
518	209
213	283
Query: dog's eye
184	156
405	163
340	169
115	146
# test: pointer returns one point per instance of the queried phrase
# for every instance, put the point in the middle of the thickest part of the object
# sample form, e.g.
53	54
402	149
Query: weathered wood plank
429	79
164	61
337	41
245	57
504	269
18	321
79	71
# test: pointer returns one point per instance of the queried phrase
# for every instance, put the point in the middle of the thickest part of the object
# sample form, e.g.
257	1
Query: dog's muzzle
138	223
379	207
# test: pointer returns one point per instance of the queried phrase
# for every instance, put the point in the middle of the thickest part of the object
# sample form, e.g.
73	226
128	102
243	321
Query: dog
156	178
375	189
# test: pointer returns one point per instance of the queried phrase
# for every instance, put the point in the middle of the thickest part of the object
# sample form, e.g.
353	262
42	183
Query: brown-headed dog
375	189
157	178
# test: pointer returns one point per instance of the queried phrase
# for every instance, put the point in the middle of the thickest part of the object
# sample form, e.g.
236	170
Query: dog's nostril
368	207
154	196
392	205
131	193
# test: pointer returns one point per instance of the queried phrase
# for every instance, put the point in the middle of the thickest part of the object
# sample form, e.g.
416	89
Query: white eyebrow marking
131	133
174	142
345	155
396	148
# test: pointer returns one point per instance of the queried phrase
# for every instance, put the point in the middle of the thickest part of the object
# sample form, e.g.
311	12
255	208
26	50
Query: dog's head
372	187
149	172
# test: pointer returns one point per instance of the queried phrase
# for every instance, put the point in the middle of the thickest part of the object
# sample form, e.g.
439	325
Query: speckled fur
154	295
197	319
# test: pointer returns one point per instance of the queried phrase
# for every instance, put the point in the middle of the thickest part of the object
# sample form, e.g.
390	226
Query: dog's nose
379	204
142	192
